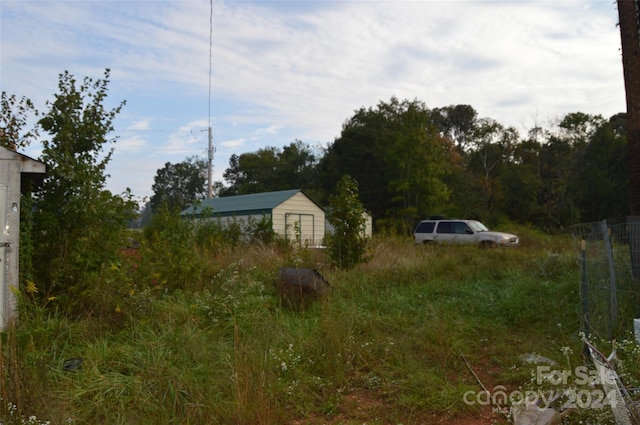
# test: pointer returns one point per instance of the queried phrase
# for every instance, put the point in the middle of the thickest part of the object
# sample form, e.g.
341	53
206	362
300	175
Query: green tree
457	123
578	128
492	149
556	175
348	244
601	184
521	182
14	118
297	164
78	224
357	152
177	186
562	156
270	169
417	160
252	172
398	158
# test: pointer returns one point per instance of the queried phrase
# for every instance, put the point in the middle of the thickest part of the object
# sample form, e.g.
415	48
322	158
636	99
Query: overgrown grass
207	340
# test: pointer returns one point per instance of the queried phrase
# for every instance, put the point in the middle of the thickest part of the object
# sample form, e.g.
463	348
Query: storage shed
293	214
14	168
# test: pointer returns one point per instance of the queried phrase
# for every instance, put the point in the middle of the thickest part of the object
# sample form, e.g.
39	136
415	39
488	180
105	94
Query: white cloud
307	66
188	140
133	144
233	143
140	124
273	129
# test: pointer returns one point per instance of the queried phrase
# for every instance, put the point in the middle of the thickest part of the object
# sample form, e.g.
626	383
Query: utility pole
629	15
210	168
210	150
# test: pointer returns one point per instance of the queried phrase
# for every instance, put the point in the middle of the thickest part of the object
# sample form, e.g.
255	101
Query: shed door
3	252
300	228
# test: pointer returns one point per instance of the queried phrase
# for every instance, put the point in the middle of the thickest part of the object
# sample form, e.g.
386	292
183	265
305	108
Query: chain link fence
609	256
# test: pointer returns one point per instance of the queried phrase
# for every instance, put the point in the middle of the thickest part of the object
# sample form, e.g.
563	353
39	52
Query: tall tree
578	128
562	161
252	172
177	186
270	169
78	221
456	122
491	148
357	152
297	164
601	183
398	158
556	173
417	160
521	182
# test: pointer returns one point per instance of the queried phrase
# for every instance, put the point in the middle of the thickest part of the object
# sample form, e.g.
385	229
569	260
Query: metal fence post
584	288
613	287
633	229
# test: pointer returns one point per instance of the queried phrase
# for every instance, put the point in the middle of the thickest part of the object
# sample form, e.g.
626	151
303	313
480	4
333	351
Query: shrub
348	244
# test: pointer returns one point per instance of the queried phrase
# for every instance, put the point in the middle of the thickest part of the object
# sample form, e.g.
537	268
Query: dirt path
359	408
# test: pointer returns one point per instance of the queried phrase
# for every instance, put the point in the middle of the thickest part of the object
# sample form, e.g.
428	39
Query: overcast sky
287	70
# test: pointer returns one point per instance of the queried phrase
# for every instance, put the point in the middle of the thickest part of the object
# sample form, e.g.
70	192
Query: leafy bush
348	244
77	223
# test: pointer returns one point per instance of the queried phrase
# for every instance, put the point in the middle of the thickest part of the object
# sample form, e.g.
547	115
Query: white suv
461	232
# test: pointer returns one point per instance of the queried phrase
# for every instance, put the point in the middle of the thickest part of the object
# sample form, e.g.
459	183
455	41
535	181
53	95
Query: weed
210	342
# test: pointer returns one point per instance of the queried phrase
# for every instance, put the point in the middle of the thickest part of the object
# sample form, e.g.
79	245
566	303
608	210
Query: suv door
424	232
457	232
444	232
464	234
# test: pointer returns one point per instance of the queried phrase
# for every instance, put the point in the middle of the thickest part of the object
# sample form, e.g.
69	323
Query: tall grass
208	340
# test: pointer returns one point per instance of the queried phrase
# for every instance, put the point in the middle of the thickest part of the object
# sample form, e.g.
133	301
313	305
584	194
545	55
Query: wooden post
629	15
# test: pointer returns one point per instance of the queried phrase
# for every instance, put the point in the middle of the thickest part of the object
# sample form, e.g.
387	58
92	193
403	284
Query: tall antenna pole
210	169
210	150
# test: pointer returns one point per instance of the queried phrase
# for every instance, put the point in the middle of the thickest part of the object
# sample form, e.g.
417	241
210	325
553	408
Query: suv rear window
425	227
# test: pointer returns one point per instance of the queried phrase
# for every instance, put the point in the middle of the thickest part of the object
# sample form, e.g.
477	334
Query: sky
266	73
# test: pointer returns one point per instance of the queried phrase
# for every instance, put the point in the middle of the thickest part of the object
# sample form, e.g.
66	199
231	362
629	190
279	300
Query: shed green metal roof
255	203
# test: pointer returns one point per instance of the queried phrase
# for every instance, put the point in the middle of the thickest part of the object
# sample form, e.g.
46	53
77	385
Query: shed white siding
293	214
368	226
299	212
13	166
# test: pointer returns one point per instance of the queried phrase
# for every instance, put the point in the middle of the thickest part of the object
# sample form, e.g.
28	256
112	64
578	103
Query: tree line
410	162
406	160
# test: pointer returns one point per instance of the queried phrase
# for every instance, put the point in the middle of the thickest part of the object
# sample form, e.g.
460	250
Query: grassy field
176	334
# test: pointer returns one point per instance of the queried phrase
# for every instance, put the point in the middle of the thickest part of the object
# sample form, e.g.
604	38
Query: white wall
12	165
368	226
300	211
